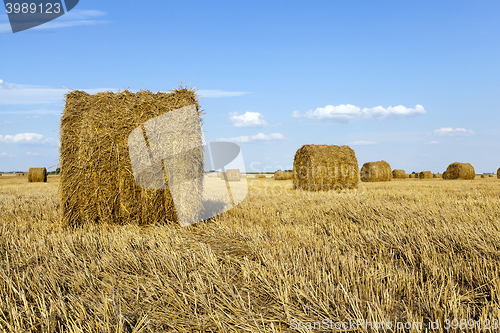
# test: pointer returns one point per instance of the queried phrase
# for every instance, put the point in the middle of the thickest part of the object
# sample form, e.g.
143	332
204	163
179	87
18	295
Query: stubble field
408	251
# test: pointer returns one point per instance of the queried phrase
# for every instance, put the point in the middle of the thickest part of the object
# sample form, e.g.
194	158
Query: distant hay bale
490	175
498	173
458	170
325	167
407	175
437	175
411	175
484	176
379	171
425	175
260	176
398	174
233	175
37	175
283	175
98	183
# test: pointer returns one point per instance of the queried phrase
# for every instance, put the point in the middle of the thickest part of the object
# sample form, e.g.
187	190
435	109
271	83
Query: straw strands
425	175
325	167
400	174
97	180
458	170
37	175
379	171
283	175
233	175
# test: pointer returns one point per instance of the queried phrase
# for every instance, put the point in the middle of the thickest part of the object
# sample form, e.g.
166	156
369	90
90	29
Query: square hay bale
399	174
325	167
379	171
425	175
437	175
37	175
283	175
458	170
97	178
233	175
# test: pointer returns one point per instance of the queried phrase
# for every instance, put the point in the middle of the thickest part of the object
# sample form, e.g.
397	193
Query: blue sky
416	83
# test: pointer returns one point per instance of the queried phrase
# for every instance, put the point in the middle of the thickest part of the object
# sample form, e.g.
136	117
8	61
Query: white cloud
257	137
21	94
220	93
248	119
448	131
433	143
32	154
347	112
4	154
362	143
396	111
24	138
340	112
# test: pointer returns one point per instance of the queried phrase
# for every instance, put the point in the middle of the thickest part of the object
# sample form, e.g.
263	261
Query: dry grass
458	170
398	174
99	176
379	171
425	175
400	251
37	175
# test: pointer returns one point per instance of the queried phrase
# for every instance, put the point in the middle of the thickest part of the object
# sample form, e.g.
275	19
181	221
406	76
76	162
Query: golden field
408	250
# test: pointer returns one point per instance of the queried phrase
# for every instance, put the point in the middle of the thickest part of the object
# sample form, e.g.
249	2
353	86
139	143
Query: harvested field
431	248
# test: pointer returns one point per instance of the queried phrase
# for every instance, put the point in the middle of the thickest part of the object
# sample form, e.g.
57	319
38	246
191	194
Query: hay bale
437	175
490	175
379	171
283	175
98	182
498	173
484	176
233	175
260	176
458	170
425	175
398	174
37	175
325	167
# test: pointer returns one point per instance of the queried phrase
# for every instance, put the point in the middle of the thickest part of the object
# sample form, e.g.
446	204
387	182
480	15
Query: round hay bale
437	175
37	175
233	175
490	175
498	173
283	175
399	174
379	171
411	175
458	170
325	167
260	176
425	175
484	176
